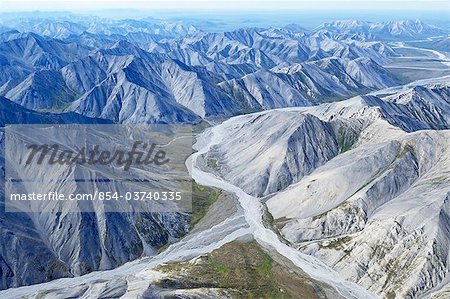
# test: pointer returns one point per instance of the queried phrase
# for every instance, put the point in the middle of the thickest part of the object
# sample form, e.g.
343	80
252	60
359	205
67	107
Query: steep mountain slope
127	80
406	28
124	98
347	183
336	126
58	29
415	108
300	154
361	227
263	90
359	73
308	83
196	89
43	89
12	113
41	246
38	51
23	53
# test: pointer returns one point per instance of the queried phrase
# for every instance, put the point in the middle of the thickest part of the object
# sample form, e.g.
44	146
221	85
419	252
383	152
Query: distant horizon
202	5
231	19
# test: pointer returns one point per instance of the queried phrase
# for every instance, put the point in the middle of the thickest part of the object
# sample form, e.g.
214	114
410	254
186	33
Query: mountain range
225	72
403	29
328	160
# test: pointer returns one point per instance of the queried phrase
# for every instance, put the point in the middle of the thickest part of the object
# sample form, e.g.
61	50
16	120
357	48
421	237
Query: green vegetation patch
244	270
200	127
202	198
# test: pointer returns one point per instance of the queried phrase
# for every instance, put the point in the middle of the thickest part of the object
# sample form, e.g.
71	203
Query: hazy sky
212	5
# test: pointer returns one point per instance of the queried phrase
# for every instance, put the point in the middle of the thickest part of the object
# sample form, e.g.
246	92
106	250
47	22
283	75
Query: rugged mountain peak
405	27
295	28
381	30
44	89
344	25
